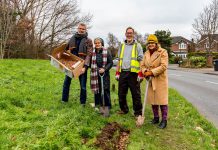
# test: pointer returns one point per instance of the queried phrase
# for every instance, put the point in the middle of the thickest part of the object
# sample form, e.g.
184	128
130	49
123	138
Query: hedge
204	54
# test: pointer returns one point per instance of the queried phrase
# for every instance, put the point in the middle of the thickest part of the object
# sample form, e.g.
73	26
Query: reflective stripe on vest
134	65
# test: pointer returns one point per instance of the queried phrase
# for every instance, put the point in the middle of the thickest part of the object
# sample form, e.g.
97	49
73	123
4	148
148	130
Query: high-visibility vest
134	65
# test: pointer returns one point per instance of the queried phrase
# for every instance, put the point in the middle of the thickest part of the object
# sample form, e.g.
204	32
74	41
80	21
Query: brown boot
120	112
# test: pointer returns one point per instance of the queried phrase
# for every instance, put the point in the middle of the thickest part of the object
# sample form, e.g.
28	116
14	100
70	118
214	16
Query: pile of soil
113	137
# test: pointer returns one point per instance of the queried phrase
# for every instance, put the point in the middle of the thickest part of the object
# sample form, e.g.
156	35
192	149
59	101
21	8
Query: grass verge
32	116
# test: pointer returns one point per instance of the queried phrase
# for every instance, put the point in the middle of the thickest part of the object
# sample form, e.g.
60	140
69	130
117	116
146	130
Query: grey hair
100	39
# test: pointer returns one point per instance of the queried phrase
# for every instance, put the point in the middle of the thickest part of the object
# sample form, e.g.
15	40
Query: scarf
82	46
94	70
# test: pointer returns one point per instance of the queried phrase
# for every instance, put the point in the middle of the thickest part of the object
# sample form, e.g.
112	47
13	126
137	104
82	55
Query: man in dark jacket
80	46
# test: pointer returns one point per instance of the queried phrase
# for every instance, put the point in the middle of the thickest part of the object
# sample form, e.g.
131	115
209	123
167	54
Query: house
181	46
203	44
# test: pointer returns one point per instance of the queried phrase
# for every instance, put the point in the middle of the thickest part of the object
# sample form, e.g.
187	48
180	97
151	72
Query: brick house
181	46
203	43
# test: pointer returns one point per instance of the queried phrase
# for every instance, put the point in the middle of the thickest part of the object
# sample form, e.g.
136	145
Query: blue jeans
66	88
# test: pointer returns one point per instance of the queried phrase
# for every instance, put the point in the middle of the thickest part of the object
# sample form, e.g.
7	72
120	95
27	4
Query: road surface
199	89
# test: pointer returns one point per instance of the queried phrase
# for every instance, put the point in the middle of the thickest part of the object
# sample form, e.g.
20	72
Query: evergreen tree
165	40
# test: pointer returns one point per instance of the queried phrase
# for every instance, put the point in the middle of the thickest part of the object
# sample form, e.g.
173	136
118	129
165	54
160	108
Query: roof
214	36
176	39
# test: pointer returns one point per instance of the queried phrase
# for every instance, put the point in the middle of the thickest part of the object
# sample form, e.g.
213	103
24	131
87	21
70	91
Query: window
206	45
183	56
182	45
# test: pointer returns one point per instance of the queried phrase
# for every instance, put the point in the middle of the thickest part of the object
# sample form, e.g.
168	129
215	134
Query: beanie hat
152	38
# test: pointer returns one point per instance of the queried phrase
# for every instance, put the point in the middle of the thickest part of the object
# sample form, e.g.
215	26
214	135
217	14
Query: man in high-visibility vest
128	73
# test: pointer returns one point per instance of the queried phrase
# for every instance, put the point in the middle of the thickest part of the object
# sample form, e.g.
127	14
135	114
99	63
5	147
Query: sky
145	16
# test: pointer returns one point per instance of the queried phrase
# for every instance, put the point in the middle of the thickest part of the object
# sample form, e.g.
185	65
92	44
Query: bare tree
139	38
43	24
113	44
145	37
207	25
6	23
112	40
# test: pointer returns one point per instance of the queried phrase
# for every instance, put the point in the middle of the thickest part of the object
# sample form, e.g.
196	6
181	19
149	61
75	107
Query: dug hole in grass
32	116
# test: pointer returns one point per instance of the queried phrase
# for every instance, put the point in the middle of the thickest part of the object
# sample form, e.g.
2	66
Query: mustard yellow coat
158	87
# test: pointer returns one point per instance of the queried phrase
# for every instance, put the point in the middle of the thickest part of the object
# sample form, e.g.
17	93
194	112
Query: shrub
204	54
197	62
172	60
185	63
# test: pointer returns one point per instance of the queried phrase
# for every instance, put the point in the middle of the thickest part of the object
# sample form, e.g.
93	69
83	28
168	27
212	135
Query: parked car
115	61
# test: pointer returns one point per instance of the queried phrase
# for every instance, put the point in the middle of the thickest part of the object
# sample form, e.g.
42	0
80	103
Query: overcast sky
145	16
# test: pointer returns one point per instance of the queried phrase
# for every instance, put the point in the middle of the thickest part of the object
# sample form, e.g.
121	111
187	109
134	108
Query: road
199	89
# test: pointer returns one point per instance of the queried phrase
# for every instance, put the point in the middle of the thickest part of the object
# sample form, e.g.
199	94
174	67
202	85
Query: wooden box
68	63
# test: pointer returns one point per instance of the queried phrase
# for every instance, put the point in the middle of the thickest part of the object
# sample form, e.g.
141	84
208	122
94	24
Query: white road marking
211	82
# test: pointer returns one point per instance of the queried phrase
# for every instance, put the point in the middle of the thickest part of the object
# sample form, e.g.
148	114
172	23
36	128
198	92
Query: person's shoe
64	102
137	115
92	105
96	109
163	124
155	120
120	112
106	115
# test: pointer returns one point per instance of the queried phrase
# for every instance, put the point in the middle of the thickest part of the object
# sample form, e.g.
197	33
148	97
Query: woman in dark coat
101	63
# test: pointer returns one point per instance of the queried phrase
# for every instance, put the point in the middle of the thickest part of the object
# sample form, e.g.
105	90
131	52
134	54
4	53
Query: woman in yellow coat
154	65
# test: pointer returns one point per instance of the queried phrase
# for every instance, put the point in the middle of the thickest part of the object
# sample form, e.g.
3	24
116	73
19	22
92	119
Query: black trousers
107	95
107	98
129	80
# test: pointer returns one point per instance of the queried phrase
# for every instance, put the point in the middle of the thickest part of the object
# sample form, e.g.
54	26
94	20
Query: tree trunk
1	52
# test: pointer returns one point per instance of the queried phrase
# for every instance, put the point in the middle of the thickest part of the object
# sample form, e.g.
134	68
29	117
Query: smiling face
129	35
97	43
151	45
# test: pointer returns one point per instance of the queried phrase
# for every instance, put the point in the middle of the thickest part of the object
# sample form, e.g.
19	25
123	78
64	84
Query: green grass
32	116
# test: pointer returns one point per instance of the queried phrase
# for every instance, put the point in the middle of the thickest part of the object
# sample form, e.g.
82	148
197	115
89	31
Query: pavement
196	70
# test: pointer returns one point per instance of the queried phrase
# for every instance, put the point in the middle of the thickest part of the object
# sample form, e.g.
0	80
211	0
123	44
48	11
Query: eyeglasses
151	43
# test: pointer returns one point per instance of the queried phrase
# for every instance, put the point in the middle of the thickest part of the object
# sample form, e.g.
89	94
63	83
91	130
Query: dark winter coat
81	45
99	61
